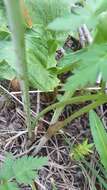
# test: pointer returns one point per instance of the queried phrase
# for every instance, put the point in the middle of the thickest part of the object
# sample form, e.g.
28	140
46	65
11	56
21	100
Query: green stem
69	101
58	111
54	128
17	28
59	125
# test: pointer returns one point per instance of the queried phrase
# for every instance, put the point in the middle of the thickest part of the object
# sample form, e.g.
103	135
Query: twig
38	102
14	137
59	90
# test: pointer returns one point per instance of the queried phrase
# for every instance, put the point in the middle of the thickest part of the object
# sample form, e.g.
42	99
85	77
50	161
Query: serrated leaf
100	137
89	63
69	61
80	79
6	172
43	11
28	165
73	20
88	14
37	57
9	186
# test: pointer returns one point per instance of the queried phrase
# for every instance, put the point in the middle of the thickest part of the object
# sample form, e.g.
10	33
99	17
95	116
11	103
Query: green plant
19	171
85	64
41	45
52	22
93	14
92	59
100	137
17	28
36	63
52	19
81	150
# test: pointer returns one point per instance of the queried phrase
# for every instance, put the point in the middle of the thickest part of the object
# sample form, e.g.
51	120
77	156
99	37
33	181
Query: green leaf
73	20
100	137
7	52
39	76
6	172
37	58
69	61
22	169
88	14
43	12
6	72
101	6
81	150
9	186
81	79
89	63
2	14
61	24
38	62
28	165
4	33
101	29
52	46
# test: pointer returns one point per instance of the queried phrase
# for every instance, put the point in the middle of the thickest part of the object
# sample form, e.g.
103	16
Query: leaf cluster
22	170
87	63
81	150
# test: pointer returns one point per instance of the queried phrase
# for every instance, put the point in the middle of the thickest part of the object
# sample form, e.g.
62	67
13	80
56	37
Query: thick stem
16	23
52	130
72	100
58	111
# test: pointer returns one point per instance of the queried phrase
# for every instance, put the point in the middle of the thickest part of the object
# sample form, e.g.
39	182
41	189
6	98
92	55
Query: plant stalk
53	129
16	23
60	124
71	100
